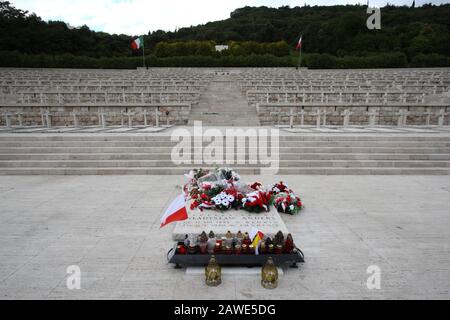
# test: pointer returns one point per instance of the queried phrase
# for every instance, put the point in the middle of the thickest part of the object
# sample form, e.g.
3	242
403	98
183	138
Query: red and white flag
137	43
176	211
299	44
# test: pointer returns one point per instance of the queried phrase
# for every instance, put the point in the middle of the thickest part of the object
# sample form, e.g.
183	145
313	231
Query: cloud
135	17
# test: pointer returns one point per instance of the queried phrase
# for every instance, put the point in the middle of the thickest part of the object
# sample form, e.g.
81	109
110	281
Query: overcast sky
135	17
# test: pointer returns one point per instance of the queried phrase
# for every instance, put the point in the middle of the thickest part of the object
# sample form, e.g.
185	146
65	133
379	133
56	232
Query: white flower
225	203
251	199
230	198
223	195
217	202
291	207
244	200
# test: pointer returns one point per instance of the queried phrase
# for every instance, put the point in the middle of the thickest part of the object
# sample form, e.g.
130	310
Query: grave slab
91	129
222	222
61	130
150	130
120	130
30	130
326	130
386	130
419	130
357	130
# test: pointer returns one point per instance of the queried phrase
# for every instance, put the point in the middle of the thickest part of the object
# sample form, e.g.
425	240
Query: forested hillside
334	36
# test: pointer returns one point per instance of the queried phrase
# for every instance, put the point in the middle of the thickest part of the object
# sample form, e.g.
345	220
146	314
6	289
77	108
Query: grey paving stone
109	226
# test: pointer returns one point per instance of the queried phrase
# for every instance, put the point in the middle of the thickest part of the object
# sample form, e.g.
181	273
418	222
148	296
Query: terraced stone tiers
326	154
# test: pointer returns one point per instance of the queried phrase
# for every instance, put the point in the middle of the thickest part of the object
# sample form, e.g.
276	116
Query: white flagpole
300	55
143	51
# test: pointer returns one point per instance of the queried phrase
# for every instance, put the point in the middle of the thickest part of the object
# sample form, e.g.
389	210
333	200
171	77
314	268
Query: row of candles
229	245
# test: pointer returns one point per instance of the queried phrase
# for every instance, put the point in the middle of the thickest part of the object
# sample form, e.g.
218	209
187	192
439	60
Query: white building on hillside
221	47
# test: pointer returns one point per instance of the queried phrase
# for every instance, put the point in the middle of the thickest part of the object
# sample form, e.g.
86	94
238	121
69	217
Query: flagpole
300	59
300	55
143	51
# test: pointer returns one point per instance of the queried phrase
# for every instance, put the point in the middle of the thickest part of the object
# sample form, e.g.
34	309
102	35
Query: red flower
204	197
256	186
281	186
194	205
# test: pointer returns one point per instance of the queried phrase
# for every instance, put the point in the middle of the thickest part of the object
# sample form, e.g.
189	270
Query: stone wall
386	115
89	116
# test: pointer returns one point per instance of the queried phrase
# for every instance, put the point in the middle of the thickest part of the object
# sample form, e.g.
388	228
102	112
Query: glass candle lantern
181	249
203	247
223	243
192	249
279	249
262	248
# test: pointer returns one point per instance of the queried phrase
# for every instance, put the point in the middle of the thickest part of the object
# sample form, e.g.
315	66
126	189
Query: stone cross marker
130	116
222	222
101	118
441	117
372	117
8	119
347	113
428	118
144	113
291	117
122	119
325	113
317	114
157	114
19	115
42	117
48	118
301	114
75	119
402	116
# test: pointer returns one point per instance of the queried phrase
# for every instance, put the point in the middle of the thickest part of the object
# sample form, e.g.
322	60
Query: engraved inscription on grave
221	222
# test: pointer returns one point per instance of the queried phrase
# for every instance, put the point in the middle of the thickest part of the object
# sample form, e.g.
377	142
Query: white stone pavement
109	226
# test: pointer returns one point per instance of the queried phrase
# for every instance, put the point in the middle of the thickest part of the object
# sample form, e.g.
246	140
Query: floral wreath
223	190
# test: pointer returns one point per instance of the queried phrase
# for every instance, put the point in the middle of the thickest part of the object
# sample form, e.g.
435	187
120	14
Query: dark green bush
430	61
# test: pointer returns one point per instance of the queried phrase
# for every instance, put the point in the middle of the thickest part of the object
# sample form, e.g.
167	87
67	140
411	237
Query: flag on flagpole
257	236
137	43
299	44
176	211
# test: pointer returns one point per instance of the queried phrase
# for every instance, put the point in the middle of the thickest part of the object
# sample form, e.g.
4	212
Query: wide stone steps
245	171
167	163
286	144
151	154
155	137
166	156
282	150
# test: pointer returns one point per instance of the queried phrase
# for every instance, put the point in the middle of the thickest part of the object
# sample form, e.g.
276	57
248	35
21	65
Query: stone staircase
326	154
222	104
